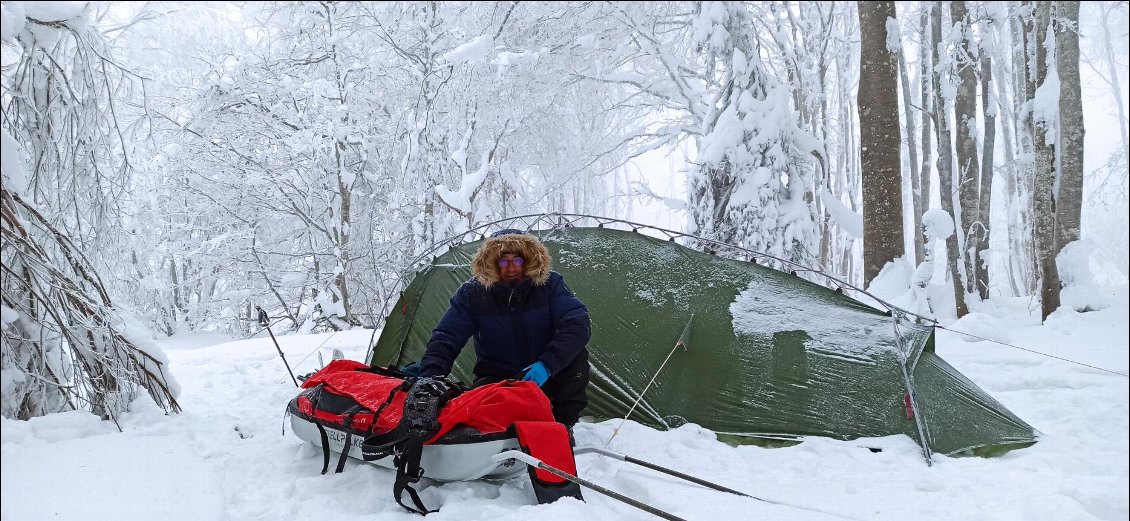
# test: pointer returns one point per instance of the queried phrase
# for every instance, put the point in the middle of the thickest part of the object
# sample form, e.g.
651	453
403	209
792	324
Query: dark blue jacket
513	326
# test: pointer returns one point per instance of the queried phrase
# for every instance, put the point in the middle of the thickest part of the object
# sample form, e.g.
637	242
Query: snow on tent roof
768	356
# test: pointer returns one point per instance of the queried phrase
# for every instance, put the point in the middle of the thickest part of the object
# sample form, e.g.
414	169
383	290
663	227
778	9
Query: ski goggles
516	261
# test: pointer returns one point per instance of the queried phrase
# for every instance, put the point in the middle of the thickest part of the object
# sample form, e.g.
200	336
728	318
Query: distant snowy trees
205	158
348	137
998	86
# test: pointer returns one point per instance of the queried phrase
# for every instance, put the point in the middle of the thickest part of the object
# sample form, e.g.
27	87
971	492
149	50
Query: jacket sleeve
449	336
572	328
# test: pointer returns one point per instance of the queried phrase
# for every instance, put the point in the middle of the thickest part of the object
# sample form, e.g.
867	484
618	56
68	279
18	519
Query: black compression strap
325	448
404	386
344	453
380	445
347	424
407	472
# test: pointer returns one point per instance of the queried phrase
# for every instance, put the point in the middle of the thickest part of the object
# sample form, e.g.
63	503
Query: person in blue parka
527	324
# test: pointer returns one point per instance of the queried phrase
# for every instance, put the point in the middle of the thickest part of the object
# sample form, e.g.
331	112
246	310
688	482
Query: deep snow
226	456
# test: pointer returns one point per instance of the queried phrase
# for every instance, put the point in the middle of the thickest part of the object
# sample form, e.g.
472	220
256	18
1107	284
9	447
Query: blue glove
412	369
536	372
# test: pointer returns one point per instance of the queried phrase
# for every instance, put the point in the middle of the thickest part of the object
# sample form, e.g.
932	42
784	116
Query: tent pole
919	421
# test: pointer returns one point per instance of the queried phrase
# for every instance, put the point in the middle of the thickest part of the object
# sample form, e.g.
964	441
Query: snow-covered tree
943	94
66	164
748	187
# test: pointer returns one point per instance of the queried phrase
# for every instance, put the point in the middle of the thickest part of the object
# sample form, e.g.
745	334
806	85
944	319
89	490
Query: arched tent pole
908	359
555	221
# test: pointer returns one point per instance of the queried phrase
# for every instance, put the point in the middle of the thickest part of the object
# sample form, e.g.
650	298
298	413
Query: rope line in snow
1033	351
317	348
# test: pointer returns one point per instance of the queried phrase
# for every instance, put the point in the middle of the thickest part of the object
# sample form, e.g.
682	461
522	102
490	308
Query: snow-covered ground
226	456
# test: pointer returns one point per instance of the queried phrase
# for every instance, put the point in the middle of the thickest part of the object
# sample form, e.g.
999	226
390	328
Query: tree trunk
825	180
922	198
342	232
1026	176
965	127
880	141
175	305
1045	179
985	191
912	152
1004	101
1024	30
1069	200
945	166
851	182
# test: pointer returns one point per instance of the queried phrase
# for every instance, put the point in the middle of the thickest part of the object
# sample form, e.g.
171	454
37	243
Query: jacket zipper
521	336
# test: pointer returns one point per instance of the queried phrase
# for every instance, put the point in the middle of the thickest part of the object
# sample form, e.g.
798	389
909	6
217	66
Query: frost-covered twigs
64	345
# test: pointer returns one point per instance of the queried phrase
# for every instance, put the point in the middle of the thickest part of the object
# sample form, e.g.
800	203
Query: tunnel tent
769	356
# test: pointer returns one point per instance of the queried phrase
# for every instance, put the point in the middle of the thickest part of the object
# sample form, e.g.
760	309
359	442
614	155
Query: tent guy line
1033	351
680	343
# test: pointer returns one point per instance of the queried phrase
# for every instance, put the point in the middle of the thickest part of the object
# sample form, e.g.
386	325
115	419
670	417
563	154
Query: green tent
764	355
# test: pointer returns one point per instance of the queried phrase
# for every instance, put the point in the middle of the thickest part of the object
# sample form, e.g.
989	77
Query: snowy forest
169	167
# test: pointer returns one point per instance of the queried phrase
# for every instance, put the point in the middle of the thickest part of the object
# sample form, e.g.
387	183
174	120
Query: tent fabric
769	355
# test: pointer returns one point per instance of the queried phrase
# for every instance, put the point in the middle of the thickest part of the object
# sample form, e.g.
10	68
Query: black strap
407	472
325	447
404	386
380	446
347	423
344	453
405	441
420	422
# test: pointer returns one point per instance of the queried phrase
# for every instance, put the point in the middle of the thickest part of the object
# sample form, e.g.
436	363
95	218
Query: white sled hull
457	462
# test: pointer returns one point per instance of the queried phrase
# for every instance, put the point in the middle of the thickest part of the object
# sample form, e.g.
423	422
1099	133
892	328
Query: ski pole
265	321
295	380
539	464
700	481
665	470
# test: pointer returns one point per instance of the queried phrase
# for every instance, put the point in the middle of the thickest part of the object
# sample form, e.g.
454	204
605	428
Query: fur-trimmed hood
485	264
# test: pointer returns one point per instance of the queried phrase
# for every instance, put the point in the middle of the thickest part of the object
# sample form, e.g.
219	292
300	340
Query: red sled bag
411	424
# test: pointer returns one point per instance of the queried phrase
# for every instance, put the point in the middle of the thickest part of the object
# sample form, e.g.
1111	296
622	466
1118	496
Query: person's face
511	267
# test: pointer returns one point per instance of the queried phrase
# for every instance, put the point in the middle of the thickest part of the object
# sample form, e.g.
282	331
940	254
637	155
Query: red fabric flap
335	366
495	407
547	441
